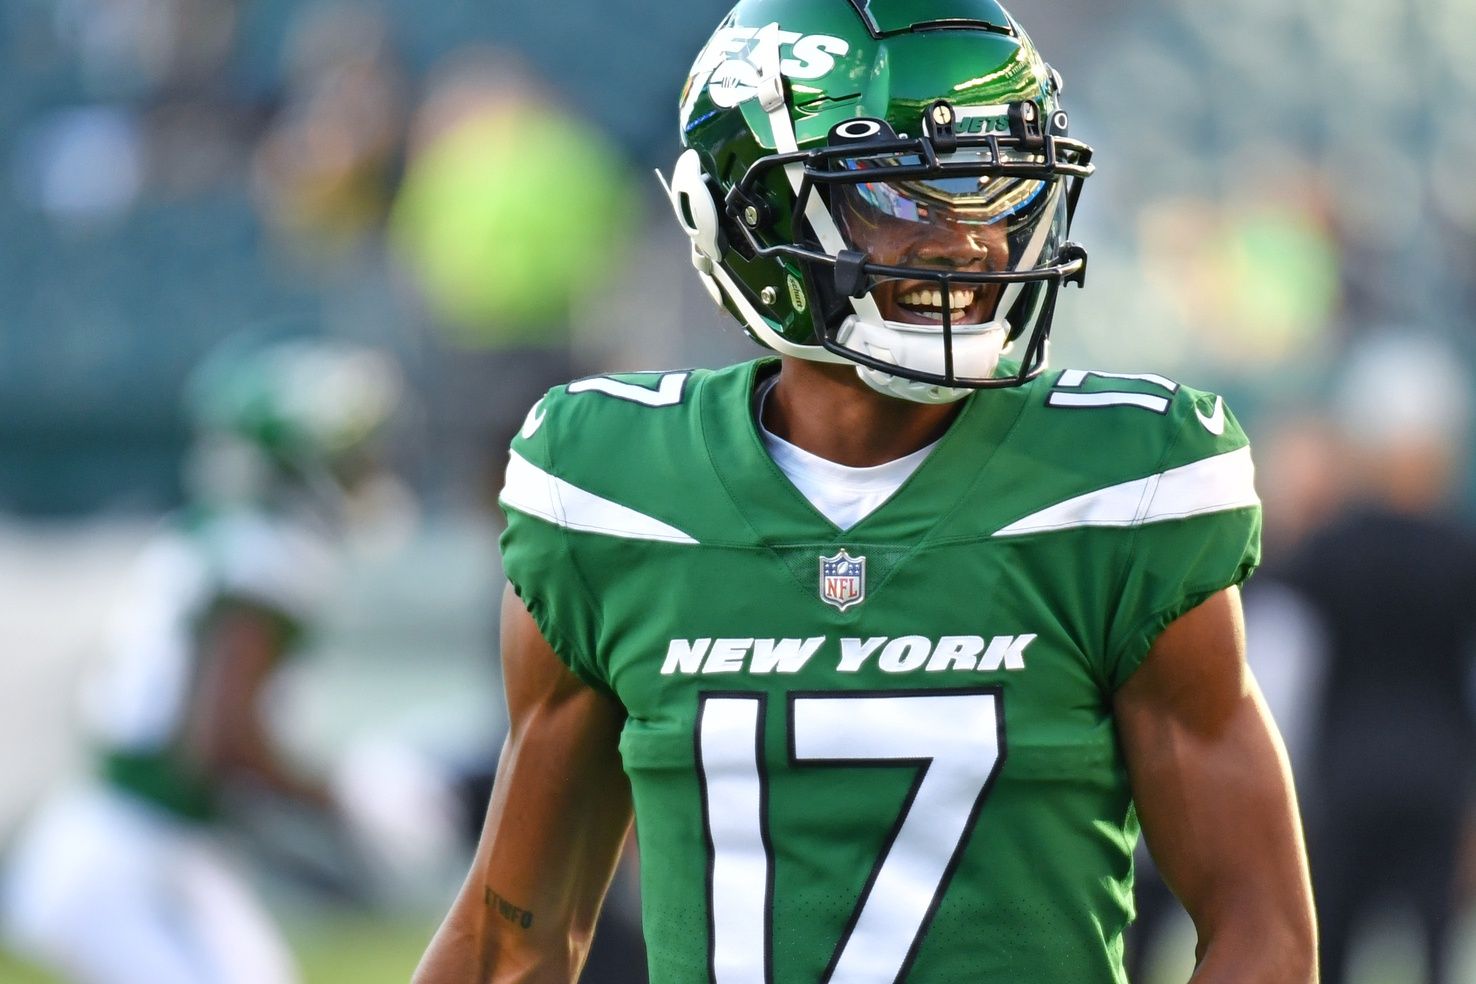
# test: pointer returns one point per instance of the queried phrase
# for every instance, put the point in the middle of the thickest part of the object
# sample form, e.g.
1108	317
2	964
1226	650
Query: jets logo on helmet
866	184
730	74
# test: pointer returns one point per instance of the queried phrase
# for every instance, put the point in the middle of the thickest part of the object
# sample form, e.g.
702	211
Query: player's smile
920	302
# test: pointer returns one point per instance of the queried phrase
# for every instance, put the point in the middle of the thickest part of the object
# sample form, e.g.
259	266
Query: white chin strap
976	352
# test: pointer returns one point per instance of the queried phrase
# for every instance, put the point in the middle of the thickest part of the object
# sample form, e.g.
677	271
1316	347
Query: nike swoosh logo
534	420
1215	422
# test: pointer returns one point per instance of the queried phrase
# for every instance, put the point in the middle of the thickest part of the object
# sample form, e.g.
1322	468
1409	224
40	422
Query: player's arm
242	645
1214	794
560	811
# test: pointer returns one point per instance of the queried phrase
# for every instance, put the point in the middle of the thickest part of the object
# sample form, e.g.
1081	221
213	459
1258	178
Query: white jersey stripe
1072	378
1215	484
1158	404
532	490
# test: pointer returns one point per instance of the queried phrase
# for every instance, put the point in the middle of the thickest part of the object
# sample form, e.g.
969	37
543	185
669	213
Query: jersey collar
779	514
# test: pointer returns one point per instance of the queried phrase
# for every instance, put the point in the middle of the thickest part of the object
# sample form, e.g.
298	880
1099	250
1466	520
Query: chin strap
975	356
911	390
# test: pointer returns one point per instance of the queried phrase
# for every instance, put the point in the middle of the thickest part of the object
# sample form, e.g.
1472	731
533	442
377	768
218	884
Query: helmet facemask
932	254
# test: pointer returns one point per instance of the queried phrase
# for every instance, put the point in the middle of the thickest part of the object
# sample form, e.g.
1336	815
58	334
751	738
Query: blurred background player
120	879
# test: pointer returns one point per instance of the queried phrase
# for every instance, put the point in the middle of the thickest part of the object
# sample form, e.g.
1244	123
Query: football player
891	643
120	878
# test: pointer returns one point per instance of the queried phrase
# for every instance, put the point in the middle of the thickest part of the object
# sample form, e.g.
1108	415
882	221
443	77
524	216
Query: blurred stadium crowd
1283	212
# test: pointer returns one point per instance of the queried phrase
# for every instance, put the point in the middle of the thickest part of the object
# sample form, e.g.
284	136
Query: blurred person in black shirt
1392	579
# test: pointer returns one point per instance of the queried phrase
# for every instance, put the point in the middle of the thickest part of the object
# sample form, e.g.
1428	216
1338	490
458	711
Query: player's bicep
559	812
241	645
1213	789
561	802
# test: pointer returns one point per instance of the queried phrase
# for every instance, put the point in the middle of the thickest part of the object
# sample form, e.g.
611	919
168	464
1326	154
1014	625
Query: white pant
106	890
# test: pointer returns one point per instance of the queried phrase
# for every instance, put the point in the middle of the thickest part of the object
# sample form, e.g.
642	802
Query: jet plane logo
843	580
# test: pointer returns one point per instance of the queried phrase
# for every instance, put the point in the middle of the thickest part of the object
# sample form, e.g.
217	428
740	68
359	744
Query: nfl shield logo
843	580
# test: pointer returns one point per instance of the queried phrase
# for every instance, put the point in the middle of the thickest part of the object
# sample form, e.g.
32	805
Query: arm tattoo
516	915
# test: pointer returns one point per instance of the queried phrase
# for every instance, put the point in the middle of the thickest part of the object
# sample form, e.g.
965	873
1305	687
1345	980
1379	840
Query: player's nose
934	250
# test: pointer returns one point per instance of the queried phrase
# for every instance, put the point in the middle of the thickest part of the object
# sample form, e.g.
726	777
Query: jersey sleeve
536	555
1198	529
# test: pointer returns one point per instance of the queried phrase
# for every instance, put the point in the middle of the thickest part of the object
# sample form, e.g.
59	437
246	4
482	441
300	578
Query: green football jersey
885	753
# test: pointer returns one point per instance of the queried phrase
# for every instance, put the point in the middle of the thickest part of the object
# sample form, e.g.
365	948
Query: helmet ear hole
695	207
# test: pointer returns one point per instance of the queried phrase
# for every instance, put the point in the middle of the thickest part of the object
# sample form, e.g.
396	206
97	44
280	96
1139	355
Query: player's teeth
957	299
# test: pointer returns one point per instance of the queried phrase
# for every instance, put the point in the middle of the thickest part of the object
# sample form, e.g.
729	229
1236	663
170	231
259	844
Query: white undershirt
842	494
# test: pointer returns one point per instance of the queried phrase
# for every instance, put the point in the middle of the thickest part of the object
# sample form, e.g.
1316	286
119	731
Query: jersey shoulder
1124	449
571	426
624	454
1132	418
605	474
1146	487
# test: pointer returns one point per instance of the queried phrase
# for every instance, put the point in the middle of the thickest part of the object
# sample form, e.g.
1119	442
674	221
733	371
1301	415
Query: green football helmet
287	417
883	183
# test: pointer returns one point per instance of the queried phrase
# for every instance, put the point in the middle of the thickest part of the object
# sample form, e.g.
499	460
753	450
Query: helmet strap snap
850	273
938	123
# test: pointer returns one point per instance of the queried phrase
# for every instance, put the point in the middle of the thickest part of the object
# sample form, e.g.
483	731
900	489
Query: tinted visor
976	198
